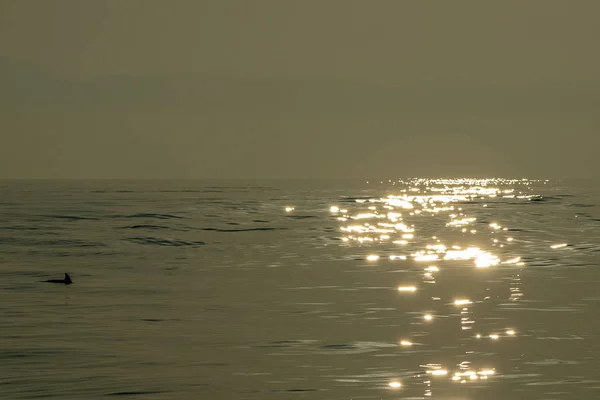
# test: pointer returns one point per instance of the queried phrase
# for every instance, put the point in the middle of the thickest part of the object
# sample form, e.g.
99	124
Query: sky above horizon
288	89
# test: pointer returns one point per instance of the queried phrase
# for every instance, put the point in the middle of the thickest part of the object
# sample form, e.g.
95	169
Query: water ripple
148	240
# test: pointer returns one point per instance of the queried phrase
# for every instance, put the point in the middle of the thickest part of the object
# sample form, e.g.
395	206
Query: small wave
354	199
153	215
562	382
142	226
189	191
241	188
162	242
553	309
355	348
301	216
338	346
552	361
50	243
23	228
538	198
69	243
285	343
135	393
70	217
30	353
173	191
241	230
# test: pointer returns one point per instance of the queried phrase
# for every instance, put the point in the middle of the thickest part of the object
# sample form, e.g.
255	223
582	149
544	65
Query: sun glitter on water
390	232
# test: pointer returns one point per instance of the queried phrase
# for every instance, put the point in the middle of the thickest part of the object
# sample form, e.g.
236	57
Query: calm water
300	290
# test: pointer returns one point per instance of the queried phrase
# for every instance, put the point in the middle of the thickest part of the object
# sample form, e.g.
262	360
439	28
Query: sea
456	289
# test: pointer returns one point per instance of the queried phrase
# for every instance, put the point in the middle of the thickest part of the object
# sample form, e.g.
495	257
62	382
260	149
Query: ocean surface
457	289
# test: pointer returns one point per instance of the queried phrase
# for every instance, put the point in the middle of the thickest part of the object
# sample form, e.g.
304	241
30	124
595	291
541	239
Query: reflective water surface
408	289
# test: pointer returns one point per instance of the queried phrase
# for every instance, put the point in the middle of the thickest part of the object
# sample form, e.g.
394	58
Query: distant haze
285	89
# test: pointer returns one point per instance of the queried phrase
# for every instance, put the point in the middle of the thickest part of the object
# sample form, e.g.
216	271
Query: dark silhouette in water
66	281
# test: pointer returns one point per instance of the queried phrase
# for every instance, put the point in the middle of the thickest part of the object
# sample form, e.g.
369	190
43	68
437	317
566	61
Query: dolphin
66	281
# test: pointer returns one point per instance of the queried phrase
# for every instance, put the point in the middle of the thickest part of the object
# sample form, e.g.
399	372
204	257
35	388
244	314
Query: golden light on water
559	246
420	256
367	216
451	226
461	222
438	372
462	302
482	259
403	228
407	289
470	375
394	217
289	209
486	372
486	260
400	202
438	248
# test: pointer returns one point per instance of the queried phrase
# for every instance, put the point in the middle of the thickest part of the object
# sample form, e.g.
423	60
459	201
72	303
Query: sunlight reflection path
401	223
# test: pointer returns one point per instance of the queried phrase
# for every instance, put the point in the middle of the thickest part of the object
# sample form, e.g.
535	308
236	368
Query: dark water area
411	289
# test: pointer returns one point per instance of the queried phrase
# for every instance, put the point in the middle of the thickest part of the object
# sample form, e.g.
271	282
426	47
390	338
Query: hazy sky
282	88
